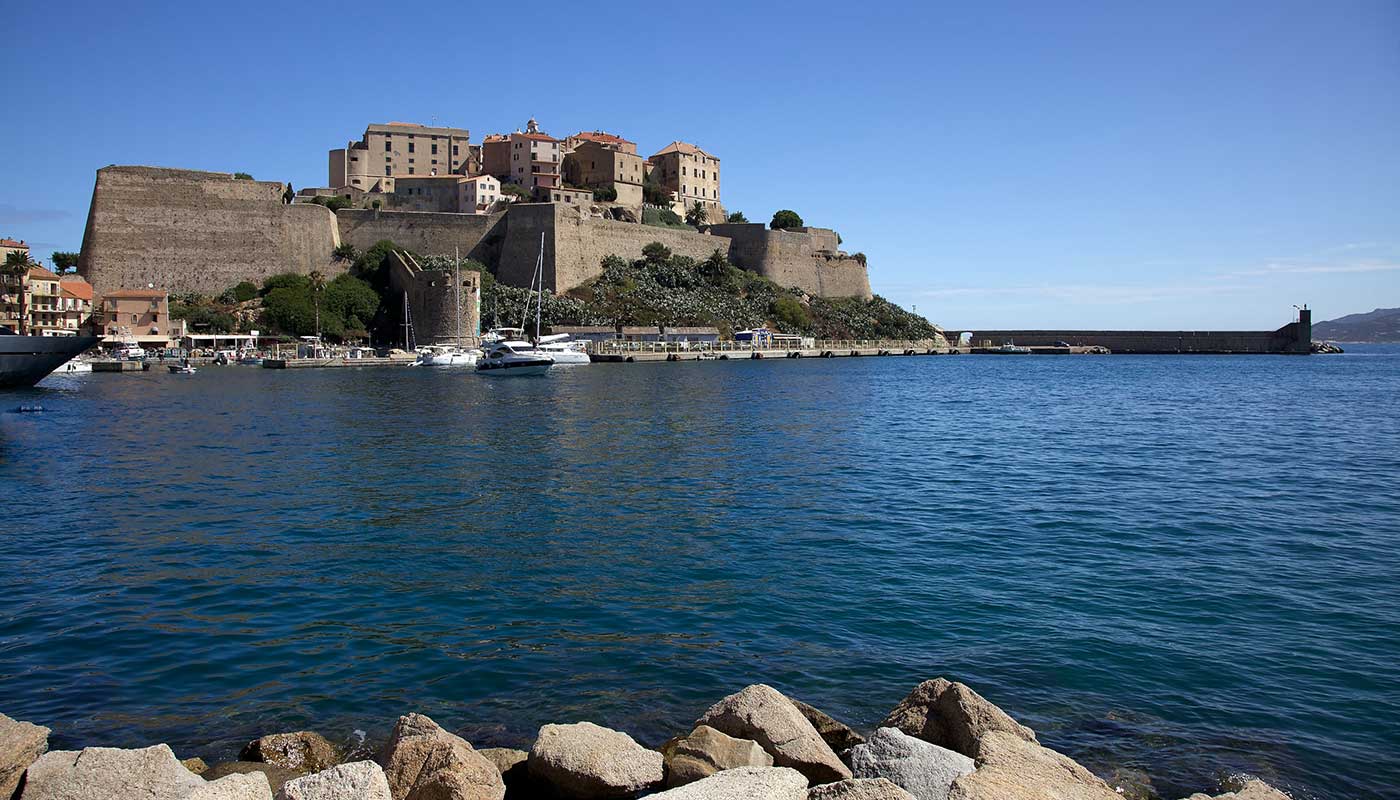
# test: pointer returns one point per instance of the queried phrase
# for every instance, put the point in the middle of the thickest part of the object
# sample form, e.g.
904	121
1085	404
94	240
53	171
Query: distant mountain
1381	325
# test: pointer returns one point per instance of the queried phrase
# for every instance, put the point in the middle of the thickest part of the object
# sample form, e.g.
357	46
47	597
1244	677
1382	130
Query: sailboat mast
457	282
539	302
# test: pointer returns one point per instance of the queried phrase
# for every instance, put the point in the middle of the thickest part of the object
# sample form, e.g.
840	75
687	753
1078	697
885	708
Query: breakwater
943	741
1295	338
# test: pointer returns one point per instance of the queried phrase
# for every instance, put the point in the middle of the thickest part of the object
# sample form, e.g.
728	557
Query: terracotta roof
42	274
682	147
495	137
79	289
538	137
13	243
133	294
601	137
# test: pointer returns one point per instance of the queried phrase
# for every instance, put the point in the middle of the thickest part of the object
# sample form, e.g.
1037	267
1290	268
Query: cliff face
188	231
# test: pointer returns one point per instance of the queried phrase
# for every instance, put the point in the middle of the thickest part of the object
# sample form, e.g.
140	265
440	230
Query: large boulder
514	765
424	762
859	789
105	773
589	761
925	770
951	715
1251	789
1011	768
21	744
304	750
275	775
837	735
707	751
237	786
743	783
763	714
360	780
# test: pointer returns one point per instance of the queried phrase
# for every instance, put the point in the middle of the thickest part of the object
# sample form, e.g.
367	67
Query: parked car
1062	344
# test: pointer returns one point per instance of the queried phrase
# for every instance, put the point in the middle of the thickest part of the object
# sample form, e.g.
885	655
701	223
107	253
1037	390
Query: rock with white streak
925	770
763	714
105	773
359	780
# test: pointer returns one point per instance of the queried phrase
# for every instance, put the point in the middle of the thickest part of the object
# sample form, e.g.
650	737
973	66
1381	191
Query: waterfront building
9	296
397	149
691	175
75	304
137	315
597	165
42	306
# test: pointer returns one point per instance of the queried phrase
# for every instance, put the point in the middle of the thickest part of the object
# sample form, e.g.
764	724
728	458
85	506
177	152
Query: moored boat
514	358
564	351
26	360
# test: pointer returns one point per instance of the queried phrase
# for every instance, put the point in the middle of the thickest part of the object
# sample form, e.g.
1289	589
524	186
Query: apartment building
599	165
692	175
426	193
476	195
397	149
42	304
535	158
75	303
139	315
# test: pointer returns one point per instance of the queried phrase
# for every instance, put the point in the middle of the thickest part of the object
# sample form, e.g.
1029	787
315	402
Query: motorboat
25	360
77	366
496	335
1010	349
131	352
514	358
182	369
564	351
439	355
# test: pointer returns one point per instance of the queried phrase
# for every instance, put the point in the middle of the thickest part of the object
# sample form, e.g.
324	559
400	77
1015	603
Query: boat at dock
514	358
182	369
564	351
1009	349
26	360
437	355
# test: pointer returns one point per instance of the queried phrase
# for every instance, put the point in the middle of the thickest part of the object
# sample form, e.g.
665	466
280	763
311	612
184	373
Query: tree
656	253
244	291
17	266
696	214
242	176
715	268
785	219
790	315
736	218
606	194
65	262
317	283
656	194
345	252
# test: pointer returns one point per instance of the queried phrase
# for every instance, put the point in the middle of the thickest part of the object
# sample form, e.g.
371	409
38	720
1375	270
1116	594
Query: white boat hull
568	356
449	360
514	368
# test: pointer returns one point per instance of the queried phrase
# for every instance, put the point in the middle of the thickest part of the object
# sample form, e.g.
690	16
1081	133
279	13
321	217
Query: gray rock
276	776
707	751
763	714
589	761
361	780
105	773
1011	768
1250	789
238	786
951	715
21	744
743	783
424	762
837	735
859	789
305	750
925	770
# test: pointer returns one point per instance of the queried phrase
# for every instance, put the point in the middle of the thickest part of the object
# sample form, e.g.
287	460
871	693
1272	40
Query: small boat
514	358
564	351
437	355
185	368
1010	349
74	367
707	355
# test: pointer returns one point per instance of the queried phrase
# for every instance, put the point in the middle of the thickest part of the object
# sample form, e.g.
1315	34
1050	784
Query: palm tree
17	265
318	282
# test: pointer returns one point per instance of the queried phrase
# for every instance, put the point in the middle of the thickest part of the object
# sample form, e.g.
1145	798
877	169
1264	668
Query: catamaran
506	356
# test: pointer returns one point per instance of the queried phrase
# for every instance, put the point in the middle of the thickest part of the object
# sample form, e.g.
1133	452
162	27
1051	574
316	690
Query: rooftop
682	147
39	273
601	137
537	137
133	294
79	289
13	243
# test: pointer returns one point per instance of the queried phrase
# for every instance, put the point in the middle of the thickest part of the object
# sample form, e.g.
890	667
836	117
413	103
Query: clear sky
1034	164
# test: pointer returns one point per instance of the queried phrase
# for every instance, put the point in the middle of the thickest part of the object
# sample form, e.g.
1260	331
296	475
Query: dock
339	362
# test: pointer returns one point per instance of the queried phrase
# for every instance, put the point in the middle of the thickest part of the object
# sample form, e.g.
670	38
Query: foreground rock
951	715
238	786
859	789
707	751
764	714
837	735
587	760
1011	768
424	762
195	765
925	770
104	773
21	744
514	765
274	775
304	750
361	780
743	783
1253	789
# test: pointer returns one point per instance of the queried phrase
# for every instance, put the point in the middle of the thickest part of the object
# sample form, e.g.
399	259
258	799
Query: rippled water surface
1185	566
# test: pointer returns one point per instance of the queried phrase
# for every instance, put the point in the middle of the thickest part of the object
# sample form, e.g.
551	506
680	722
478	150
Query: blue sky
1085	164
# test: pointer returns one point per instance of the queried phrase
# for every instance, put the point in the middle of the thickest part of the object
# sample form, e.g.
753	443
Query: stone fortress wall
187	231
432	301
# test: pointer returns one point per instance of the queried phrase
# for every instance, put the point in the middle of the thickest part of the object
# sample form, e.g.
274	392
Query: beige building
560	194
139	315
692	175
398	149
535	158
426	193
43	306
608	140
476	195
596	165
75	299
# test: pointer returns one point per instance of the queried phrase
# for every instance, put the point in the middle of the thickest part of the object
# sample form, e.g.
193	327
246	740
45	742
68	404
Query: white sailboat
505	356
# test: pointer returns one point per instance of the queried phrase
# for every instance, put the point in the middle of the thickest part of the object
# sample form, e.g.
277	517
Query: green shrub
345	252
242	176
607	194
661	217
790	315
736	218
785	219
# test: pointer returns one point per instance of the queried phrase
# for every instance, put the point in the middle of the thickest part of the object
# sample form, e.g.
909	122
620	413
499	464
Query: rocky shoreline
942	742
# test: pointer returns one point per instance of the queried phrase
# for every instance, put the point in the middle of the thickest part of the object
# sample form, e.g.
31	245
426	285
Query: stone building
442	312
535	158
495	156
608	140
596	165
139	315
426	193
692	175
397	149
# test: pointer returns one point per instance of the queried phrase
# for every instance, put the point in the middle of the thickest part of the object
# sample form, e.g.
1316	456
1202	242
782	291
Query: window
434	147
410	145
454	149
682	170
388	146
354	158
410	170
388	169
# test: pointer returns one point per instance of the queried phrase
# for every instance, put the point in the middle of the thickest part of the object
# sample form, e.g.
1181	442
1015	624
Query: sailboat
507	356
450	355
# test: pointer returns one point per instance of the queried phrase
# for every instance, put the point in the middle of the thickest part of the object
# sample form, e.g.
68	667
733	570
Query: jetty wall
1295	337
189	231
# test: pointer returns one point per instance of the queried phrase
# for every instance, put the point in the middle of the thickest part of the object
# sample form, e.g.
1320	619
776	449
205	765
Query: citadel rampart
187	231
809	259
433	301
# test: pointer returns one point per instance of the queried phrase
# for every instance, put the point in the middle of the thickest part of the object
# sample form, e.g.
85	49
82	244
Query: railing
613	346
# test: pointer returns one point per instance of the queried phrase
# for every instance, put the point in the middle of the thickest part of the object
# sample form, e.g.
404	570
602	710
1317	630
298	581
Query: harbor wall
1295	337
189	231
